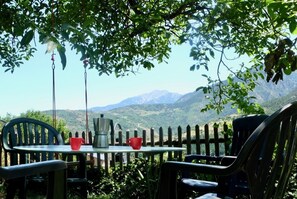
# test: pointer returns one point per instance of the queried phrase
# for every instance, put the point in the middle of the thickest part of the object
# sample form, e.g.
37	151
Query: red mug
75	143
135	142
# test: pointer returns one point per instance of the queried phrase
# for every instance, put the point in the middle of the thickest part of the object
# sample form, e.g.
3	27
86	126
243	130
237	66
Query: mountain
267	91
181	111
154	97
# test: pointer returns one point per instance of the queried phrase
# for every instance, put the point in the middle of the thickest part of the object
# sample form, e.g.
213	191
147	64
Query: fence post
189	140
161	142
112	139
170	142
128	154
144	143
197	141
216	139
227	140
121	157
152	142
136	135
90	140
83	135
180	142
206	138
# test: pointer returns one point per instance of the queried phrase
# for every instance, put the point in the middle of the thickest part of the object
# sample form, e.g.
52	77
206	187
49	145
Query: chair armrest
191	158
22	170
227	160
170	170
213	196
216	160
175	166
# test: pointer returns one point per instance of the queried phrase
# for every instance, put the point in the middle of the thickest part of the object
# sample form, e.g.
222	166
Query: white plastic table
66	149
90	149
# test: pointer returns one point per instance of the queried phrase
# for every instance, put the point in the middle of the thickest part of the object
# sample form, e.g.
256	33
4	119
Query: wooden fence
208	140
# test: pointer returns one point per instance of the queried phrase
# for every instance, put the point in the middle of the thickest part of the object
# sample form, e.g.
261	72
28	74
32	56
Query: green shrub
137	179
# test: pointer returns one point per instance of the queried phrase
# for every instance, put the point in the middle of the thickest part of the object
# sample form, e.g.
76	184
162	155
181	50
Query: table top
90	149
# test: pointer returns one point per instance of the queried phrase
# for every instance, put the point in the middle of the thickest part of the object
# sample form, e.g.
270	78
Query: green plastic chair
28	131
243	127
266	158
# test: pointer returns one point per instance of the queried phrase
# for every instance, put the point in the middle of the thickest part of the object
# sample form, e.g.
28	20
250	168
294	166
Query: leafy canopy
121	36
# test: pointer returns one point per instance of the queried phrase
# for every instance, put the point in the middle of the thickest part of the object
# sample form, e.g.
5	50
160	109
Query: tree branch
179	11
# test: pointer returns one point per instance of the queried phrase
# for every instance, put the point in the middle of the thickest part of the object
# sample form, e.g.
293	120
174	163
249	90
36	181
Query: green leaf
200	88
148	65
211	53
269	2
293	27
287	71
64	34
229	80
27	38
62	51
140	174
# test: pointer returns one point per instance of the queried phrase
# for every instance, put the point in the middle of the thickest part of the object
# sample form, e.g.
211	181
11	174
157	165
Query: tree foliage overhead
262	30
119	36
115	36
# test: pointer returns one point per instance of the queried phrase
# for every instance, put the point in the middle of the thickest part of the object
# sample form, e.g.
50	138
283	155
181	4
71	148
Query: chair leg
79	189
57	188
84	191
14	185
181	192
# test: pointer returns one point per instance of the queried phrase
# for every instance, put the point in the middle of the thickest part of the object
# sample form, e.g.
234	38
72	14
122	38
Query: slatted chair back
28	131
269	154
243	127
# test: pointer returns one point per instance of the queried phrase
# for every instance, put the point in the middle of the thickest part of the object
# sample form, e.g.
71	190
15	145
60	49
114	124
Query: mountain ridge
184	111
153	97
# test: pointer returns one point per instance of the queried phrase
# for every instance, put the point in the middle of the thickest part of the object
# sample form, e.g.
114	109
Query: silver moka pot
101	127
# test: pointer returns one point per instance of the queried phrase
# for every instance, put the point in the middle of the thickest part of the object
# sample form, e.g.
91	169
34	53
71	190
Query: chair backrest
28	131
243	127
268	155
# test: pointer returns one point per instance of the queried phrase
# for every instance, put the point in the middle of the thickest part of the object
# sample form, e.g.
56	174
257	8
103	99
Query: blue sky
30	86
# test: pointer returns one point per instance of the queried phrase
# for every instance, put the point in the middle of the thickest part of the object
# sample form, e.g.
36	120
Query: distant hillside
275	104
186	110
268	91
154	97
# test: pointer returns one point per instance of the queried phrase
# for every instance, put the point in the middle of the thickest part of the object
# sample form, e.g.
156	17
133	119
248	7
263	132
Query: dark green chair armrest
23	170
170	170
213	196
202	186
227	160
15	177
197	157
